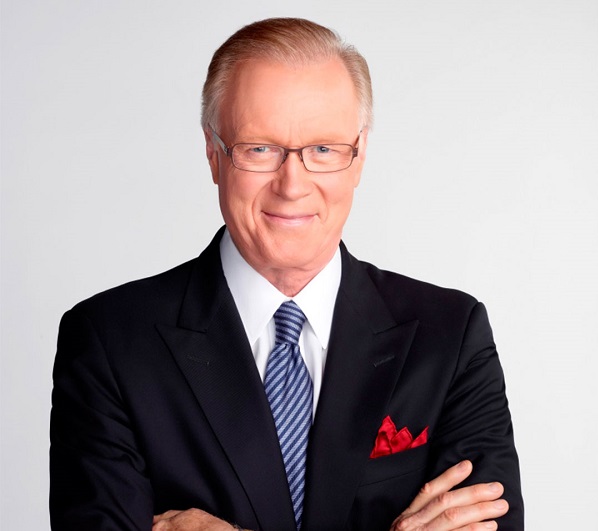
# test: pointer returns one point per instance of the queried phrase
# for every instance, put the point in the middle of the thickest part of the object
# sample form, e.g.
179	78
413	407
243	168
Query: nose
292	180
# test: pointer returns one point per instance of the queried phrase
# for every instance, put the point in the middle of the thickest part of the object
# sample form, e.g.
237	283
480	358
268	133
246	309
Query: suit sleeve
97	479
475	423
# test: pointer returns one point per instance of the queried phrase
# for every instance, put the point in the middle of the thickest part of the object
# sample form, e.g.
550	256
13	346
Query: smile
289	220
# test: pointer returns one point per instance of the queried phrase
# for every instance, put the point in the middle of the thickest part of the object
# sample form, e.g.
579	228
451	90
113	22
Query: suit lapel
366	353
210	346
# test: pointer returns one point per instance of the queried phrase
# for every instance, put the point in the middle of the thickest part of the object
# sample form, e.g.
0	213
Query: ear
363	142
212	154
360	159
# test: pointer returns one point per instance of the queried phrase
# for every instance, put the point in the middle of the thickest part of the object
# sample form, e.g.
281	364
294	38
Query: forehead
266	99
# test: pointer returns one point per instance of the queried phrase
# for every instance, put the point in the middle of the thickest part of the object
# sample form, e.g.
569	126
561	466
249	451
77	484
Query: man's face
291	219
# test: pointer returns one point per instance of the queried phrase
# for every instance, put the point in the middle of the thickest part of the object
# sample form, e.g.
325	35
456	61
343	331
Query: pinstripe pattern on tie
290	392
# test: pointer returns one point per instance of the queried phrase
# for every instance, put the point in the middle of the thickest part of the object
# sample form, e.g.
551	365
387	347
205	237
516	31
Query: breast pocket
395	465
387	487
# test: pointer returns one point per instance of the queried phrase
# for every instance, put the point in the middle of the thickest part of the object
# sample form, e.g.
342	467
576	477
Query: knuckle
444	499
402	525
452	514
396	523
427	489
408	523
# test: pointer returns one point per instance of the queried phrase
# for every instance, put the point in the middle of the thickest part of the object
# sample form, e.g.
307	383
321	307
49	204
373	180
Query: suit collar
205	290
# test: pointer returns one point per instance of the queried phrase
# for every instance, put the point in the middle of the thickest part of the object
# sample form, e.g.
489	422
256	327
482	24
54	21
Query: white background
481	175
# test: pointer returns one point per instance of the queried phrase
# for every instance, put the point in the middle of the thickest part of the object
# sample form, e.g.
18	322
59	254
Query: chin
288	261
299	256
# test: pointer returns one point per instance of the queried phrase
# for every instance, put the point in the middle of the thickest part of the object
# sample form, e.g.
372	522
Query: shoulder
418	291
158	294
161	293
410	298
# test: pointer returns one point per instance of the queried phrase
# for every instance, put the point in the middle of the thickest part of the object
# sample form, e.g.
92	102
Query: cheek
338	198
238	198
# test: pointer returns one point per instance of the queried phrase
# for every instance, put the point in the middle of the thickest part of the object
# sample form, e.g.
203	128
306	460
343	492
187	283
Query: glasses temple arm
220	141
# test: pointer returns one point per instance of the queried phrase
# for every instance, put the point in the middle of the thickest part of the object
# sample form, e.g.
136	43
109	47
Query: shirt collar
257	300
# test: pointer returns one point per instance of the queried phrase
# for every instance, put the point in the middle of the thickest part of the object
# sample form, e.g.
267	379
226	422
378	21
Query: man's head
291	89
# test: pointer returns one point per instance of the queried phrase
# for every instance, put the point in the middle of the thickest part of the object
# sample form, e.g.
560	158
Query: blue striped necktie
290	392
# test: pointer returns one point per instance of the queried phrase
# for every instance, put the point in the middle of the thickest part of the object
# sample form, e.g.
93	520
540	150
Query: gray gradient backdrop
482	175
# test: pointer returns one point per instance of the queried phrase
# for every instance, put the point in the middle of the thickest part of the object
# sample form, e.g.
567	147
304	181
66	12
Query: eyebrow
319	141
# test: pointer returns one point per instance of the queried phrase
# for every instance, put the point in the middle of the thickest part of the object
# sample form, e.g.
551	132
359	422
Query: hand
468	508
189	520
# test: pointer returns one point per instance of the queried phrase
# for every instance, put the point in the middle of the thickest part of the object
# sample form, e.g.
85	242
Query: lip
295	220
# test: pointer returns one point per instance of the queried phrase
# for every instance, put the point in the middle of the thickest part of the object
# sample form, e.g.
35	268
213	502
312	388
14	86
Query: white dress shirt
257	300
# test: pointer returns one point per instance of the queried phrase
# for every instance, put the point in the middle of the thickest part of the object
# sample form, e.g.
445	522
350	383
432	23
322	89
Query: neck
289	282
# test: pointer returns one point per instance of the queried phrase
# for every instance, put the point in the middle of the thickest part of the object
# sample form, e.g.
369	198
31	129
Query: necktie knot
289	320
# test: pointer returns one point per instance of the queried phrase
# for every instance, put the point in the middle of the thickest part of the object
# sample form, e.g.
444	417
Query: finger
489	525
165	516
443	483
470	516
464	497
478	516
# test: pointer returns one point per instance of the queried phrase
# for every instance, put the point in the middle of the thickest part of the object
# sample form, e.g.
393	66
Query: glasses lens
327	157
257	157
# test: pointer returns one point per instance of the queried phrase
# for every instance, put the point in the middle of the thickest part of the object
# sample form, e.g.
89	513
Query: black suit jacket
158	405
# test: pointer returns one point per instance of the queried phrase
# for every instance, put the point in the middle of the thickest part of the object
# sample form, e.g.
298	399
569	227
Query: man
168	390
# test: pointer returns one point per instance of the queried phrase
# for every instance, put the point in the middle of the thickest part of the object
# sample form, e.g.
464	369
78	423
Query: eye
260	149
322	149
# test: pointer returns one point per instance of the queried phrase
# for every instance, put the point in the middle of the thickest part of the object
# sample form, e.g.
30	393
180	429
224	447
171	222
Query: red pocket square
390	441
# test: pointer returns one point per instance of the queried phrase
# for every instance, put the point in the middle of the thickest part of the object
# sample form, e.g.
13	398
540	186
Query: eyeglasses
265	158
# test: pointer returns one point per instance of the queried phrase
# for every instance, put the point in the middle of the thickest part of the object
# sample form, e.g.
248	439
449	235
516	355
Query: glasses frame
228	151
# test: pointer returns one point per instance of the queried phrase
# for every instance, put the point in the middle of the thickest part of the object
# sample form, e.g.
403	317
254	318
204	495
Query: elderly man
276	382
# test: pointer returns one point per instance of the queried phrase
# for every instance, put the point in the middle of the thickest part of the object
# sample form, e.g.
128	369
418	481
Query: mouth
295	220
